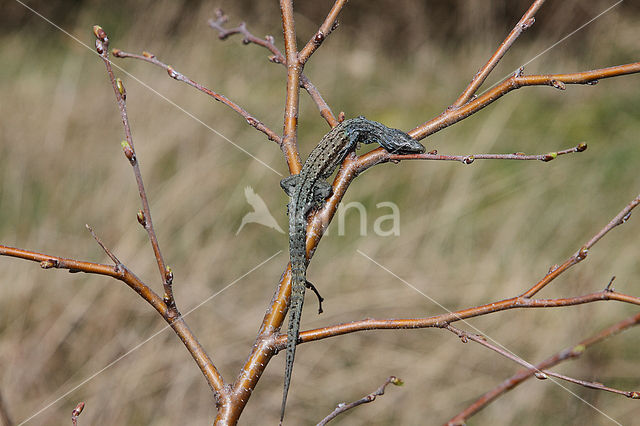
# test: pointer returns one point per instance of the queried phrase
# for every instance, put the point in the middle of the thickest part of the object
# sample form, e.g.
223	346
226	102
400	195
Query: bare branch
539	374
173	73
294	69
329	24
443	319
555	271
384	156
516	81
102	47
525	22
112	256
342	407
569	353
277	57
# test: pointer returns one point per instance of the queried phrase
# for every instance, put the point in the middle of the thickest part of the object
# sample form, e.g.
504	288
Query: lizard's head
405	144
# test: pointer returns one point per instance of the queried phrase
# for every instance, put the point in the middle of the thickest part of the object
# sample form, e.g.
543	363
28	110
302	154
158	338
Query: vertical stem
294	69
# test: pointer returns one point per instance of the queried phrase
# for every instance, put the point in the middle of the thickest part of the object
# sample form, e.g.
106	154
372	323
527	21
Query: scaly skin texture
308	189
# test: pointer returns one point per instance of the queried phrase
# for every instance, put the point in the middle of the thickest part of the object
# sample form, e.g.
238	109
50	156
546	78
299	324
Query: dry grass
469	234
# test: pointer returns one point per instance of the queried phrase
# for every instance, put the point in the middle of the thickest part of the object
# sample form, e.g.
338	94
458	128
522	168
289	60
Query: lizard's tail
293	333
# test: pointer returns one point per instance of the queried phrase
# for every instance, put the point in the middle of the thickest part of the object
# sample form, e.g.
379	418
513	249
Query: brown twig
277	57
538	373
468	159
294	69
329	24
112	256
342	407
569	353
5	418
525	22
173	73
76	413
619	219
102	47
516	81
123	274
439	320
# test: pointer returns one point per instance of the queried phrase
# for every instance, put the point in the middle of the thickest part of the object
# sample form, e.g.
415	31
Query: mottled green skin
309	189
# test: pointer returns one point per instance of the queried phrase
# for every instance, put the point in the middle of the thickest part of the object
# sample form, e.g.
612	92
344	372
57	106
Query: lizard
309	189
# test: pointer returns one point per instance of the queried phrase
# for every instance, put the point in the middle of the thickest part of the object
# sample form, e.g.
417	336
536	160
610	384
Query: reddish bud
434	152
117	53
100	34
76	411
550	156
141	219
48	264
468	159
99	47
168	276
148	55
319	37
581	147
172	73
128	151
558	84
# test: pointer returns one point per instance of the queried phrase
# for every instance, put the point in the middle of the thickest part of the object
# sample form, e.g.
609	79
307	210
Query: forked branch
569	353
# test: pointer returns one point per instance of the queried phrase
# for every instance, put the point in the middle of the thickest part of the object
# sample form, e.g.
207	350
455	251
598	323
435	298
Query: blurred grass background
469	234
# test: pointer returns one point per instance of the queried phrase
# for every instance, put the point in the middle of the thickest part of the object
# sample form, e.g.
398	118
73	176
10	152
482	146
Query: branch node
128	152
121	89
540	375
519	72
608	288
528	23
549	156
49	263
582	253
626	217
141	219
558	84
172	73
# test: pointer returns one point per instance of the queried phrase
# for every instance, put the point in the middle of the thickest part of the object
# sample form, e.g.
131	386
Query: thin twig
277	57
619	219
516	81
468	159
329	24
569	353
540	374
102	46
442	319
173	73
525	22
109	253
342	407
211	374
